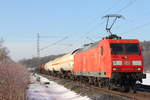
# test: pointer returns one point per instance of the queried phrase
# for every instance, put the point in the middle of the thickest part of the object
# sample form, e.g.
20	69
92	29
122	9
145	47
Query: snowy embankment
147	80
43	89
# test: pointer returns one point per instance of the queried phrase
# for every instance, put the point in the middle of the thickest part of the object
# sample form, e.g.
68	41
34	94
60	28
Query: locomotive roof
95	44
88	47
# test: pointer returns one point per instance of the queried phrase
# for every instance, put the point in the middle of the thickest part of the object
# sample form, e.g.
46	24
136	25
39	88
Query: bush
14	79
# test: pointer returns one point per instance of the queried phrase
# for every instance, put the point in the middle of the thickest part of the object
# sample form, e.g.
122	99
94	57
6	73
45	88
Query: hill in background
146	55
34	62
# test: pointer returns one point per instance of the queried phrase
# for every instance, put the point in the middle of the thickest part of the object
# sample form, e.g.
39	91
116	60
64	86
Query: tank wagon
61	66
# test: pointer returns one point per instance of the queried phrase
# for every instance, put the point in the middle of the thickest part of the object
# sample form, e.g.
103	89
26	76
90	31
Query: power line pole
38	45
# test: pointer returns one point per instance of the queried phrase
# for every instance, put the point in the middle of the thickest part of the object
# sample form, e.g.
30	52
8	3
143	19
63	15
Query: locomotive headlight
115	69
137	68
137	62
116	62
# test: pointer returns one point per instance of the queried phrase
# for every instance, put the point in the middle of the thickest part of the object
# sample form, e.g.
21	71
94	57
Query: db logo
126	62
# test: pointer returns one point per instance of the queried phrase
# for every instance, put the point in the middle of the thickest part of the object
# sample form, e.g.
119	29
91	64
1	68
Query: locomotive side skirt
94	74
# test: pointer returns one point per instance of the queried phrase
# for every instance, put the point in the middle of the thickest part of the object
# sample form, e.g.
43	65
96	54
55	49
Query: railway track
135	96
145	88
139	95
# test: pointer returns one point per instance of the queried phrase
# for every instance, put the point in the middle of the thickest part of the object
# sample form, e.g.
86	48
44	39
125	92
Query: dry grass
14	79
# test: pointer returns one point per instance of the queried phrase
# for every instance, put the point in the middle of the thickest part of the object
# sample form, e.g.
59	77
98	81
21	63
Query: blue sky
20	20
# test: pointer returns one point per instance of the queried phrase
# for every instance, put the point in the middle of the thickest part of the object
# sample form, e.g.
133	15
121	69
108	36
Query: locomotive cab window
126	48
116	48
132	48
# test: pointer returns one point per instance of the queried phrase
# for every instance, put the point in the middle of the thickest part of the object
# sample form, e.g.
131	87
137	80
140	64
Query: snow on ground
52	91
147	80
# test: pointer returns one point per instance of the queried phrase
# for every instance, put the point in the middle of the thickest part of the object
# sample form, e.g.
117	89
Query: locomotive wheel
125	88
100	84
133	90
95	82
90	81
110	85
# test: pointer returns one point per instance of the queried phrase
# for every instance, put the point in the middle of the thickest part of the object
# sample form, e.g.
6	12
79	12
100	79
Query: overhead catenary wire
59	49
113	6
39	49
51	36
90	39
85	34
53	43
131	2
138	27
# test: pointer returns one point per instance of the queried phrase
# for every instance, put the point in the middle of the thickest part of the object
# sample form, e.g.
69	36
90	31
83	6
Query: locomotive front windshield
125	48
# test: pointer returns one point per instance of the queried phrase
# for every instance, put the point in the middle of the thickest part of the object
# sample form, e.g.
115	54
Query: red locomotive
112	62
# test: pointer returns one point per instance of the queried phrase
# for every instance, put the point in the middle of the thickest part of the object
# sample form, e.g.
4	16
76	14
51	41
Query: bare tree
14	78
3	51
